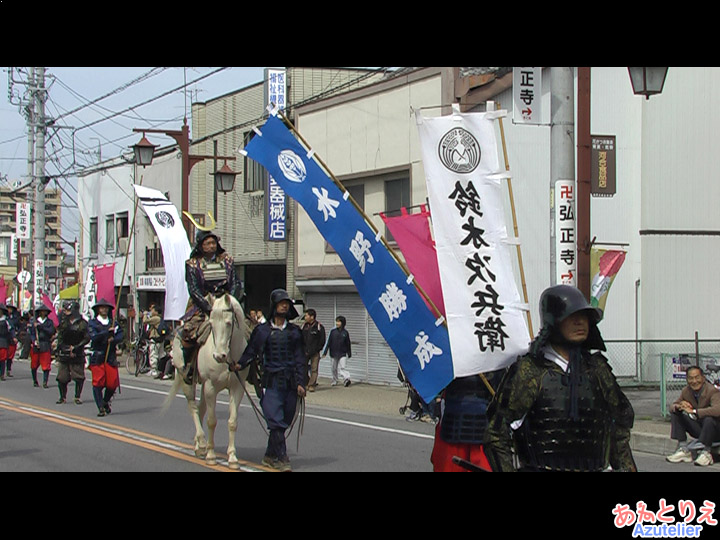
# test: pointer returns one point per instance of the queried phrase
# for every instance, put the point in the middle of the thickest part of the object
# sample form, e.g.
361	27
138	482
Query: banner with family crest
483	307
417	336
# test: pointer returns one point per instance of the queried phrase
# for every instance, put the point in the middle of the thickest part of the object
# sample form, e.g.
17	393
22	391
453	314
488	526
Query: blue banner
411	330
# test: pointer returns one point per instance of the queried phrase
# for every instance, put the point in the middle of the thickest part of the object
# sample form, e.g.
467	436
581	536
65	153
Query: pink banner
48	304
3	290
413	236
105	283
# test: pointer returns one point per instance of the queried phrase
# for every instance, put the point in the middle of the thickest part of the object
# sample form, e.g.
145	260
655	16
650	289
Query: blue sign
276	212
412	331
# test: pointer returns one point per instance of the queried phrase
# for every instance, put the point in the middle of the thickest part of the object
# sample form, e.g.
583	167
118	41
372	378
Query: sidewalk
651	432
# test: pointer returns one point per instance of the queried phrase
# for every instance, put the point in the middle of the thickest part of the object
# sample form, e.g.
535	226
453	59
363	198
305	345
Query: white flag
175	247
484	312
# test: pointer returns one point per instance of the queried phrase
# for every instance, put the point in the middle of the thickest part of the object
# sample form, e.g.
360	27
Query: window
109	233
255	174
93	236
397	195
122	229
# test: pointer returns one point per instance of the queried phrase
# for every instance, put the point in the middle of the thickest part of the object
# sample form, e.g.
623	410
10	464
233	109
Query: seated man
697	412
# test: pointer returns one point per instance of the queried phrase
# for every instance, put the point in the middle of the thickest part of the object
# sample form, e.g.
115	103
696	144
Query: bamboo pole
515	226
122	276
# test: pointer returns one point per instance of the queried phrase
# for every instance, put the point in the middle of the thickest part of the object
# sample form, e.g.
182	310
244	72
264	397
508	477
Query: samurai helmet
203	232
277	296
103	302
556	304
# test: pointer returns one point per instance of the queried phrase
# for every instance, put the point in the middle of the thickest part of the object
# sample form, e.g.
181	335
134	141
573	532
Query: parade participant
156	341
73	335
104	333
313	340
559	406
14	320
277	344
210	269
6	337
41	330
462	425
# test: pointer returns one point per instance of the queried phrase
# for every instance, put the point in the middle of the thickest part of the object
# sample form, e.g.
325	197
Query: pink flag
412	234
105	283
3	290
48	304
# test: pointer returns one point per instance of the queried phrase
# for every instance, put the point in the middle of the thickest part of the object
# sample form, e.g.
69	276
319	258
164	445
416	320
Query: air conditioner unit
122	245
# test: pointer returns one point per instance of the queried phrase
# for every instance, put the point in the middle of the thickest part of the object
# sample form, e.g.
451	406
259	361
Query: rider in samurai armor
73	335
210	269
278	346
559	407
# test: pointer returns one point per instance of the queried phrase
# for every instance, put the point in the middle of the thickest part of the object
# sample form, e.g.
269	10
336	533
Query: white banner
565	260
88	298
175	247
486	321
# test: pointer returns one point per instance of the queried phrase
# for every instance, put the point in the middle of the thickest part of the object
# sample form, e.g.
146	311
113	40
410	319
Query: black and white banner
485	315
175	247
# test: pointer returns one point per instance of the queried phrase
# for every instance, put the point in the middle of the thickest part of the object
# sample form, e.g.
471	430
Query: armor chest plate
551	439
213	271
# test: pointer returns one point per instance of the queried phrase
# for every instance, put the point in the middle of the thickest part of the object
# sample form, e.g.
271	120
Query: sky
89	133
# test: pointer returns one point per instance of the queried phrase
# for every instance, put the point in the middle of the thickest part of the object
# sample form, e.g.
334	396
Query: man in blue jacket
340	350
278	346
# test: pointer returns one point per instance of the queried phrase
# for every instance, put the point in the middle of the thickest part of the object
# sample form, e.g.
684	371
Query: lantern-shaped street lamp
224	179
144	151
647	81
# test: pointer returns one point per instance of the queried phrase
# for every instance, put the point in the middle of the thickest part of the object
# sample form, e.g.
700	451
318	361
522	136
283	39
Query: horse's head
227	321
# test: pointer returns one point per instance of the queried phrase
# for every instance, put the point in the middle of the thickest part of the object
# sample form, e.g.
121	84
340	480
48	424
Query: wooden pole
515	227
122	276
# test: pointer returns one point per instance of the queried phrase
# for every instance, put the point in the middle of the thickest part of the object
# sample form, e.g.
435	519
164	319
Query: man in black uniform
73	335
278	344
559	407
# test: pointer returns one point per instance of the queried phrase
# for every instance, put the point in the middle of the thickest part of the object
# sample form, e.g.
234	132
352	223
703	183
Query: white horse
225	343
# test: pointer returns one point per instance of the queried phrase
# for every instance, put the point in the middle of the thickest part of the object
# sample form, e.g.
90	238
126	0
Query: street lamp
647	81
224	179
144	151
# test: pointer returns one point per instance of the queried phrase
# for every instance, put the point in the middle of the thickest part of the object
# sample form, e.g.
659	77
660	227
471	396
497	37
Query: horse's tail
177	381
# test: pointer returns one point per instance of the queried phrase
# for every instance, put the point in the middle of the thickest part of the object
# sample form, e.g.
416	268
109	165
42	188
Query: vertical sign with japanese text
22	220
275	94
602	166
39	281
527	95
565	252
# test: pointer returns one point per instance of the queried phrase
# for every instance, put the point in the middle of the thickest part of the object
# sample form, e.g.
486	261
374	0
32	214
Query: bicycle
712	375
138	358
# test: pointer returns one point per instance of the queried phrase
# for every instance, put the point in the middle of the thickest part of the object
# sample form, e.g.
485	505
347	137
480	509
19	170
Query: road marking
148	441
313	416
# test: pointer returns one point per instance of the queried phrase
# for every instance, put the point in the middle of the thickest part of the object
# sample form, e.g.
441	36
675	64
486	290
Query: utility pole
30	117
562	147
40	95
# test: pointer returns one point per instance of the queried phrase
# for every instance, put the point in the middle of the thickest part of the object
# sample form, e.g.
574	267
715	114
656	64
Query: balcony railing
154	258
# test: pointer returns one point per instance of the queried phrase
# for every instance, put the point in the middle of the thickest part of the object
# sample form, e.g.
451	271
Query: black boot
34	377
63	393
187	370
106	400
46	376
78	391
97	396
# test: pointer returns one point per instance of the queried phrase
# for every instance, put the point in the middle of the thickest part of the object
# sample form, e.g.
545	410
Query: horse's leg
200	442
210	395
236	394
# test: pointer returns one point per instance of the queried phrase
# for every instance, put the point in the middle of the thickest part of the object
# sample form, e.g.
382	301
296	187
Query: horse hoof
200	454
234	465
210	461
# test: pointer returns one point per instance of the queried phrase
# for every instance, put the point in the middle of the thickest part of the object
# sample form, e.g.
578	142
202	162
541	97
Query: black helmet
556	304
200	237
103	302
277	296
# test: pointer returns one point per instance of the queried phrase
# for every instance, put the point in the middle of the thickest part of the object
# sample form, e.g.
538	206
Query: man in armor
210	269
105	334
14	320
73	335
42	330
278	345
559	407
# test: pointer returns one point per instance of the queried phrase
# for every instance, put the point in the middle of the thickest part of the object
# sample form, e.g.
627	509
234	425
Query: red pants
443	452
105	376
4	355
42	359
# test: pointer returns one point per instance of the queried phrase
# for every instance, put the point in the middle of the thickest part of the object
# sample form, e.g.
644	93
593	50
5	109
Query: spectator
313	340
156	338
697	412
340	350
